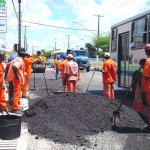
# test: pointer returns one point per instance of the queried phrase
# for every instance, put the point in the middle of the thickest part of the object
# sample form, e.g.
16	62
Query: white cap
69	56
107	54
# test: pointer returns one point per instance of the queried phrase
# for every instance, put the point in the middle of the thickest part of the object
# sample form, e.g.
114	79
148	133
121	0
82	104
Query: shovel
90	81
116	114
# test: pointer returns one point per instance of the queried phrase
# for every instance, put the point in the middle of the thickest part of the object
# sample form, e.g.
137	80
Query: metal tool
116	114
90	81
34	77
45	81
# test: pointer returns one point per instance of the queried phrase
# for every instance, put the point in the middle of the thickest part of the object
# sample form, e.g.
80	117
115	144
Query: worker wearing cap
28	61
2	94
11	58
108	75
71	74
16	75
62	70
145	84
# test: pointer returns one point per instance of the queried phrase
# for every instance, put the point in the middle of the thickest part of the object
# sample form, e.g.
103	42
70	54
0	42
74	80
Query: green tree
101	42
47	54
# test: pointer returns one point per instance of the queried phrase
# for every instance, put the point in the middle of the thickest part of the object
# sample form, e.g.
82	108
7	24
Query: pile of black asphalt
69	117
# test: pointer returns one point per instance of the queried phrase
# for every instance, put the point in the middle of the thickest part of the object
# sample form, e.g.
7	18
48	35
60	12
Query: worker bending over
72	74
28	61
145	85
62	70
11	88
16	75
3	105
108	75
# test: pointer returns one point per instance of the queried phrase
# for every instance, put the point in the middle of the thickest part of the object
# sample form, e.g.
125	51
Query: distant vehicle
81	57
58	53
126	46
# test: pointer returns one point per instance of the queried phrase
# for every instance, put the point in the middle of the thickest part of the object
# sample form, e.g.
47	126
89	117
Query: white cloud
83	11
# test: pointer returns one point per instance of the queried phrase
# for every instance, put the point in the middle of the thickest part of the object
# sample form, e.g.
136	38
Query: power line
15	9
55	26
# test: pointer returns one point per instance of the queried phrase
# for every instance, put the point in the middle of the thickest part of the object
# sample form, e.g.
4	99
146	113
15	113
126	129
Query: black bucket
10	127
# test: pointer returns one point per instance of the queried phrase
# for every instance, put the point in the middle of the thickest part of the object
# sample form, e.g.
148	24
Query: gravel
79	121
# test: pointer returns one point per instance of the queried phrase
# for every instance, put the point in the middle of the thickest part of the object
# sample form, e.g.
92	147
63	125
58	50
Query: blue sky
62	13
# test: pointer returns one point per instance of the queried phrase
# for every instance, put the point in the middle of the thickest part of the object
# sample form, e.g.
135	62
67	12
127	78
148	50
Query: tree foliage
102	42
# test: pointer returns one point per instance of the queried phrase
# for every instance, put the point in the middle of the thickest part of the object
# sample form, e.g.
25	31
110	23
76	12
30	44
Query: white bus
126	46
57	53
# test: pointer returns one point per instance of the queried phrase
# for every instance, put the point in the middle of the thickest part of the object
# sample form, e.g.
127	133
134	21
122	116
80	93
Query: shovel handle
129	89
90	80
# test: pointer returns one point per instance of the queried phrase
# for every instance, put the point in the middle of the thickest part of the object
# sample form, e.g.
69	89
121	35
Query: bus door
123	63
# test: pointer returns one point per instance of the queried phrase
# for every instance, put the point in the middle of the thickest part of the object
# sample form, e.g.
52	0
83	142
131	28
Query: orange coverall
57	67
145	85
28	72
109	77
72	73
2	95
62	69
18	63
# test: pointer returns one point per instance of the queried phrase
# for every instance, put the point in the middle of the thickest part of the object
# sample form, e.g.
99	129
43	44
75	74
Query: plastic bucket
10	127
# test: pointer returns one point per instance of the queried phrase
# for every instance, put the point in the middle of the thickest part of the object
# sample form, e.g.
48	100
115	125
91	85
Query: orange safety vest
28	65
63	66
2	71
20	70
109	71
57	64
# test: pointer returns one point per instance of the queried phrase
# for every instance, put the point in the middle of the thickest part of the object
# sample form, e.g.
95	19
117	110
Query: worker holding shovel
28	61
109	76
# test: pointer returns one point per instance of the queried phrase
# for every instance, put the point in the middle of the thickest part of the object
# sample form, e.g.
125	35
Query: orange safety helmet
147	47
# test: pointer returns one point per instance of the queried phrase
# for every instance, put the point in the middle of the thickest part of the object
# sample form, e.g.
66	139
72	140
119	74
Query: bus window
139	33
114	40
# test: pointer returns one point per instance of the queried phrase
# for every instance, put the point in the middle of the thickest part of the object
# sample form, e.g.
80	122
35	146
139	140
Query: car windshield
79	53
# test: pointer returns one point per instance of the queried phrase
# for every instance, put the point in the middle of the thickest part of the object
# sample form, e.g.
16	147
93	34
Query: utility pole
68	41
25	39
19	26
99	16
98	34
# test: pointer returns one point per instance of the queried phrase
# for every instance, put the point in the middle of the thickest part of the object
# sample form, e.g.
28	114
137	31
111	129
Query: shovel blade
116	117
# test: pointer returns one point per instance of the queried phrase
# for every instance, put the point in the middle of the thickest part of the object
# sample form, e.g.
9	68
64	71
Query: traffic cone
137	104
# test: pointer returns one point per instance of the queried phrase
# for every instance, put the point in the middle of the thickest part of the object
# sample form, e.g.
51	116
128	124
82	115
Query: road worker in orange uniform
28	61
72	74
2	94
145	85
57	67
109	76
62	69
16	75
